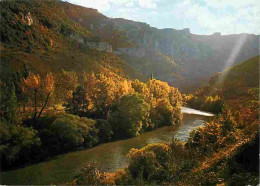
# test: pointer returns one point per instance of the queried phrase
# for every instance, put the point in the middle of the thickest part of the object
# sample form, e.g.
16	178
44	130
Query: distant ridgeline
183	59
196	57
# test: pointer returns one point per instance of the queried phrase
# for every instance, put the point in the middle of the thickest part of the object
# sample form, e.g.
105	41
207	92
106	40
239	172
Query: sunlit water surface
108	156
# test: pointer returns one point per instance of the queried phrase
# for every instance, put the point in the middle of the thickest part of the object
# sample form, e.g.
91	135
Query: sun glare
231	60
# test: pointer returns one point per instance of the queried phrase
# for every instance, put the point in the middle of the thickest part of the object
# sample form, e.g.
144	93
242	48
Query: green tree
163	114
12	106
129	115
104	130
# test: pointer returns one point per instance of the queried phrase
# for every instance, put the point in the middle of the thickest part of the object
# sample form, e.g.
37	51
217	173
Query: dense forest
63	90
48	113
224	151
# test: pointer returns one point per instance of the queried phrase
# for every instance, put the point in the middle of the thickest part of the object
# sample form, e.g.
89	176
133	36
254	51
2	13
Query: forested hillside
42	38
196	57
62	88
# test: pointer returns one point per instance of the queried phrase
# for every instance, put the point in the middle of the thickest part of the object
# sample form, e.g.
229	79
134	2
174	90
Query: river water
108	156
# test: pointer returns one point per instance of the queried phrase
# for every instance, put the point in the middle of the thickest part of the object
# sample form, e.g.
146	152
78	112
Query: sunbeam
231	58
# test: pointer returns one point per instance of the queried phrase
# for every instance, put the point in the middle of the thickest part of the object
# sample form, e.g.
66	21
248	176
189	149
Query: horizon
201	17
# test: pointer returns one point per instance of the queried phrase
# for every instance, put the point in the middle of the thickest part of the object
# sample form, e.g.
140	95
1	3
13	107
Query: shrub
163	114
121	177
149	163
64	132
214	135
17	143
104	130
128	116
88	175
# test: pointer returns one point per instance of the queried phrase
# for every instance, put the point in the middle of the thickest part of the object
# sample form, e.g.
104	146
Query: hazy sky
201	16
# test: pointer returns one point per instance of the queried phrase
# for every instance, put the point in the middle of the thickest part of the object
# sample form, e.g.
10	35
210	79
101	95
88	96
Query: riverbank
109	156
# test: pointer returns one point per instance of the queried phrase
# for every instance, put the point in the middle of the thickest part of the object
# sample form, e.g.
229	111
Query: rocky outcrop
134	52
92	43
199	56
77	38
100	46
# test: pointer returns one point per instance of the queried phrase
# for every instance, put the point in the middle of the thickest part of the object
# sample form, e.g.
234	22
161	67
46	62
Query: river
108	156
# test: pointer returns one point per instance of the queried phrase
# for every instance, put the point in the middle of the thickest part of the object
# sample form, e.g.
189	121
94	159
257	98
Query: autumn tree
12	106
142	89
78	104
66	83
129	115
166	103
159	90
104	89
163	114
38	90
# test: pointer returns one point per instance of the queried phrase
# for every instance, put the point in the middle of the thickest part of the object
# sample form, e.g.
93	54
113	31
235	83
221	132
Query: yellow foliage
104	88
32	82
49	83
65	84
159	89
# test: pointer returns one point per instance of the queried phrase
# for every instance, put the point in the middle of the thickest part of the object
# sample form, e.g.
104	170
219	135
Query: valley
86	99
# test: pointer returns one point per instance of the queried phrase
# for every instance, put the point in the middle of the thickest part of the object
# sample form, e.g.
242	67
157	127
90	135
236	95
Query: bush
104	130
64	132
128	116
214	135
122	177
17	143
163	114
149	163
88	175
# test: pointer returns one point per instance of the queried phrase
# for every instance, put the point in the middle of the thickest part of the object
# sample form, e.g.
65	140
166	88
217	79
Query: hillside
198	57
72	79
40	36
237	86
238	79
243	74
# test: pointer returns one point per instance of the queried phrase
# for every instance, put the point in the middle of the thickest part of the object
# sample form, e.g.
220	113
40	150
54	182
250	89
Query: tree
142	89
66	83
129	115
12	105
78	104
49	88
103	90
163	114
104	130
159	89
36	90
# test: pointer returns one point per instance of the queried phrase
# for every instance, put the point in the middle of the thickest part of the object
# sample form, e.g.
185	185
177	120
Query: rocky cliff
197	56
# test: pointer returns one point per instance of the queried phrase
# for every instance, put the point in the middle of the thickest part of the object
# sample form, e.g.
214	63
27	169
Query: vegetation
58	95
218	153
63	95
119	111
224	151
129	116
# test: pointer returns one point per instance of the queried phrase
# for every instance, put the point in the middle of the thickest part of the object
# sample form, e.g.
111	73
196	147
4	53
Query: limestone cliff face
93	44
198	57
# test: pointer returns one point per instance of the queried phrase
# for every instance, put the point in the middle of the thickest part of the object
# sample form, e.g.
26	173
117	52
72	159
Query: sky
201	16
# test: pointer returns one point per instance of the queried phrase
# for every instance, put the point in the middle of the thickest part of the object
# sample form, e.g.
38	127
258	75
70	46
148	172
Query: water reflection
109	156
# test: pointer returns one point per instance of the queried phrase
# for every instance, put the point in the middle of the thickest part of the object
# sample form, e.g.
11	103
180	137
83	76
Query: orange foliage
49	83
31	82
104	88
